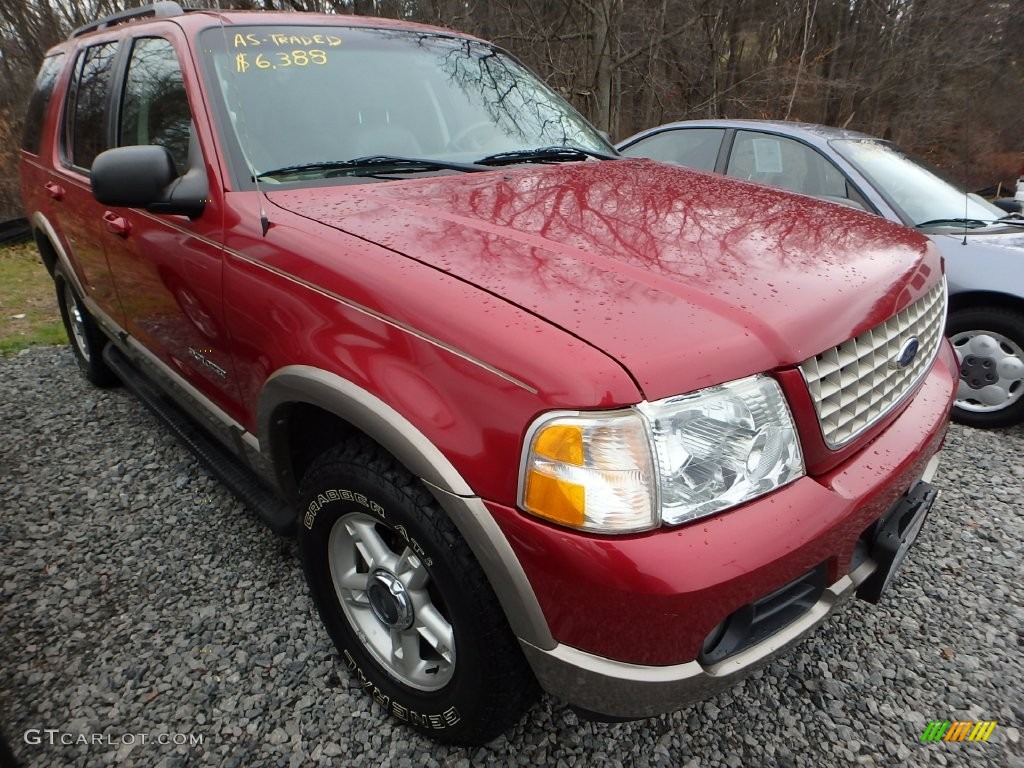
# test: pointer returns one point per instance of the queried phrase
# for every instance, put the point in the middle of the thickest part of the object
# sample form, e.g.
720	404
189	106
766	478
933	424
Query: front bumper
620	690
630	615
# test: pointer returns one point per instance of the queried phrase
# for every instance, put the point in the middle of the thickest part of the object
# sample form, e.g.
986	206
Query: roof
193	19
809	131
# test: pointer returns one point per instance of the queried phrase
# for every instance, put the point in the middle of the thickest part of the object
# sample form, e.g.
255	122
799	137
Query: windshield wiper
556	154
952	222
371	165
1013	219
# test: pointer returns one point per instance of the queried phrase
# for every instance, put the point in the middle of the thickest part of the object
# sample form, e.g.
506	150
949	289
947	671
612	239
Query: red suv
539	414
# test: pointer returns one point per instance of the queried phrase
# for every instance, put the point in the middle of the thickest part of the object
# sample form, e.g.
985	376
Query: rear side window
689	147
90	93
154	109
37	105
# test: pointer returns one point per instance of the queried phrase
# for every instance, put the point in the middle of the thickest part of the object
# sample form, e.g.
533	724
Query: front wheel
989	345
87	340
405	601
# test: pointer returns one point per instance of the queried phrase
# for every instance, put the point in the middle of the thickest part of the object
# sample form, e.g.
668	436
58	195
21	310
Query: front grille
857	383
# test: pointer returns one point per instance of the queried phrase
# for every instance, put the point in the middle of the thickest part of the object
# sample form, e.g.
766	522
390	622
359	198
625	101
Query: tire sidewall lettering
431	720
333	495
339	494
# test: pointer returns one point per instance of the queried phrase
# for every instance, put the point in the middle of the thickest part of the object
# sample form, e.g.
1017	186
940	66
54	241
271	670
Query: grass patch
28	307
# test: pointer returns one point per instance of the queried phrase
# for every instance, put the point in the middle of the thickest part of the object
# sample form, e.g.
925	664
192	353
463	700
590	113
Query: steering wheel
473	136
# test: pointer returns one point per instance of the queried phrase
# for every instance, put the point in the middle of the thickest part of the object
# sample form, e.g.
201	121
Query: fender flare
40	224
397	435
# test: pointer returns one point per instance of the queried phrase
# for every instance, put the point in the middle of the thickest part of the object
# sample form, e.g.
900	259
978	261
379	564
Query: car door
83	136
41	189
788	163
169	269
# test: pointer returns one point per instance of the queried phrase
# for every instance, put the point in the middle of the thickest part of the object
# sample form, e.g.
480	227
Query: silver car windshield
918	193
295	97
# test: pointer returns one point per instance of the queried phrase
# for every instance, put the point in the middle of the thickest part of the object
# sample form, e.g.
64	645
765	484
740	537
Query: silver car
982	245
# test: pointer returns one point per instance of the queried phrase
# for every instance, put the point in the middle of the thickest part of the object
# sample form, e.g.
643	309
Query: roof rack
158	10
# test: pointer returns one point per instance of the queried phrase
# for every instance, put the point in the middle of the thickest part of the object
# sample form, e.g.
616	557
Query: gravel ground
137	597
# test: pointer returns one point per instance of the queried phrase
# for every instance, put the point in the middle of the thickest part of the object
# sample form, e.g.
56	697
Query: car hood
686	278
989	262
1010	237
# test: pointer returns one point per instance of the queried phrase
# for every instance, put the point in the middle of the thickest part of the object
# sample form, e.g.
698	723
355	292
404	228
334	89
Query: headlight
670	461
722	446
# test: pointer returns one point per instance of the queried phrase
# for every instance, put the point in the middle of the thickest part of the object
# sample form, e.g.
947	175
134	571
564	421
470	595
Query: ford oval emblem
906	354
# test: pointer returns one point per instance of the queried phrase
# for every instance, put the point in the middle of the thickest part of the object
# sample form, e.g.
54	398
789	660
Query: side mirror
1009	205
144	176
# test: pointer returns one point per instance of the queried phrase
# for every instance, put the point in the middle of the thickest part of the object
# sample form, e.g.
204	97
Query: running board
221	463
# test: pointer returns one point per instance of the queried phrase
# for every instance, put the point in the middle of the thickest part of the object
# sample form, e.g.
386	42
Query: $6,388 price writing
295	58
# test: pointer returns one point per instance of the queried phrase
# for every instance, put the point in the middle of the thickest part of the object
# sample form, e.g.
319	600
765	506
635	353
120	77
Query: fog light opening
714	637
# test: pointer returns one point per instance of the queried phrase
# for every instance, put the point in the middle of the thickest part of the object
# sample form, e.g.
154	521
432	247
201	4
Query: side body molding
396	434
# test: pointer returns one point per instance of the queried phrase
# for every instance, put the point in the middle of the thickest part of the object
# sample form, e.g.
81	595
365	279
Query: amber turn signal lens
591	471
557	500
561	442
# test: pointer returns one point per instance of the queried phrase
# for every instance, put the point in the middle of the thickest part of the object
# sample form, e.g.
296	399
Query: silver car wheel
384	592
991	371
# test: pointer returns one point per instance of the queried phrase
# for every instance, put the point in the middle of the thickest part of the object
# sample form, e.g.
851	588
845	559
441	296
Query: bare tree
944	78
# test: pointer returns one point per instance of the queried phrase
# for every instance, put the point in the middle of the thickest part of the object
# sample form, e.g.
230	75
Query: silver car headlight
722	446
670	461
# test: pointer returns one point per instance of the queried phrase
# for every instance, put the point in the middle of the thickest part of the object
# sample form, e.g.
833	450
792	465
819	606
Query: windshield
918	193
299	99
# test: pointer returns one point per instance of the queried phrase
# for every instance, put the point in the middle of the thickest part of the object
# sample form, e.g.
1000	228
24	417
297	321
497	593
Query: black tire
466	692
87	340
979	368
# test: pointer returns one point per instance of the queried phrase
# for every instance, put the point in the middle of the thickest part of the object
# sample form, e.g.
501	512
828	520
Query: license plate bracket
894	535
